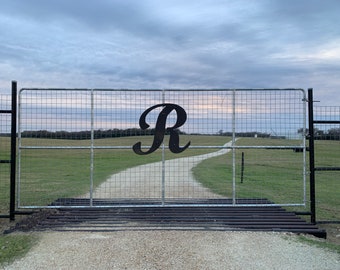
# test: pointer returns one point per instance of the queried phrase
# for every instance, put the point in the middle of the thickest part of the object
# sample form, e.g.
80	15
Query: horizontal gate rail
327	169
283	147
326	122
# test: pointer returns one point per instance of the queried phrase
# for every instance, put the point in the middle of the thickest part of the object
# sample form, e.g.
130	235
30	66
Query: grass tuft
15	246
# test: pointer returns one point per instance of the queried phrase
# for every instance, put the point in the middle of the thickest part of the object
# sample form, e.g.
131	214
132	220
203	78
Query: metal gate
118	147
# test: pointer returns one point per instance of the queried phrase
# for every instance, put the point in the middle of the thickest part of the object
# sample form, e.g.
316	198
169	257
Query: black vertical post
242	167
311	155
13	151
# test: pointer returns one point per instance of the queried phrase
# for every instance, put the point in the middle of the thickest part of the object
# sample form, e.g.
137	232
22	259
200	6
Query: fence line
323	116
8	116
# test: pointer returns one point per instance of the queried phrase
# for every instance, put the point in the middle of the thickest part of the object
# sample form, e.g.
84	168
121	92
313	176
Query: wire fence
80	147
5	152
327	162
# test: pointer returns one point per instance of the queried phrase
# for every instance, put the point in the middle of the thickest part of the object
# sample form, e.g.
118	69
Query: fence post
311	155
13	151
242	167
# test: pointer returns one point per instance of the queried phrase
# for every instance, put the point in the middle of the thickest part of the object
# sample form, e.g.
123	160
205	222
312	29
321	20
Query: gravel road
172	249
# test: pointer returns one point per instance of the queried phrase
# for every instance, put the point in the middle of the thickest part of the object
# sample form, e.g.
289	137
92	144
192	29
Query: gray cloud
137	44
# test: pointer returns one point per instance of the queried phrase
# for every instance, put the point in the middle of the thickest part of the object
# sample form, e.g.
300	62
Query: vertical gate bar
233	144
13	150
92	150
304	148
163	174
19	149
163	160
311	155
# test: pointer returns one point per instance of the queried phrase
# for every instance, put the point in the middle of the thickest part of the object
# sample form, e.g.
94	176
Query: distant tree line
86	134
116	133
331	134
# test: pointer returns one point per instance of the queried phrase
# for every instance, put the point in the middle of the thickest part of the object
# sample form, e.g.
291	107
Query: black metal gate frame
13	146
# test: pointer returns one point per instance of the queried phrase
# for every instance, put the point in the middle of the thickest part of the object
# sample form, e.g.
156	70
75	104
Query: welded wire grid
163	178
5	152
118	112
54	145
78	144
327	156
270	126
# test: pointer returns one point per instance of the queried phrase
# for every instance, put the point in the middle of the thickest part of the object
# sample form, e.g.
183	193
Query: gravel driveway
172	249
145	181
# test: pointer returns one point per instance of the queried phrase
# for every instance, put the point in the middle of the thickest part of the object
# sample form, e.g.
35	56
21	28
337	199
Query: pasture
49	174
268	174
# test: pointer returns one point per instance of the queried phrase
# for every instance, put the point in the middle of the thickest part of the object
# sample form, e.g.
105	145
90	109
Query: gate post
311	156
13	151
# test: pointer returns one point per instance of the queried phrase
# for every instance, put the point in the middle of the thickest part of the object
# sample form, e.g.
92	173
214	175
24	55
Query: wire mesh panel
145	147
327	162
5	152
54	145
270	126
162	175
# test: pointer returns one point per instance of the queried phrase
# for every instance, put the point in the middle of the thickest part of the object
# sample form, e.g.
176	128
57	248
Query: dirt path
146	181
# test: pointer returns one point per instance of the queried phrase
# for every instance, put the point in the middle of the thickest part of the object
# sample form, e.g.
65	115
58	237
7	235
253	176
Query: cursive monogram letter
160	129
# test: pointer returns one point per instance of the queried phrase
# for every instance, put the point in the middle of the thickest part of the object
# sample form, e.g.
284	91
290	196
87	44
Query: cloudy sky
172	44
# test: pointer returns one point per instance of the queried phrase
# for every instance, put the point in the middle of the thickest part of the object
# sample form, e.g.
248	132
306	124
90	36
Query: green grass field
49	174
276	175
327	153
268	173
